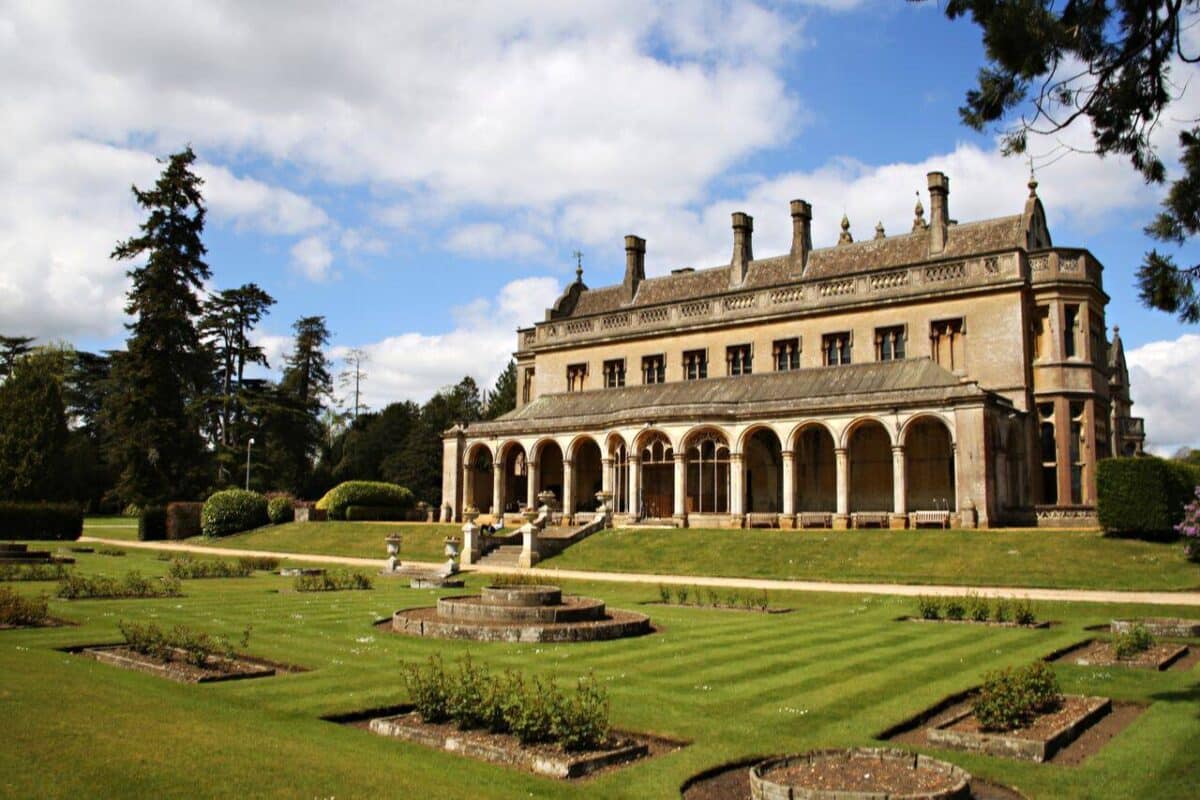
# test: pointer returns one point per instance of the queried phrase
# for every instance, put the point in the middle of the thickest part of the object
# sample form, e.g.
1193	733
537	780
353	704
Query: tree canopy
1108	63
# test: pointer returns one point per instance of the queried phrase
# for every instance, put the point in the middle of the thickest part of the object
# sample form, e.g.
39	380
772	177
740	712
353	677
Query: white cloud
313	258
252	204
489	240
1162	377
412	366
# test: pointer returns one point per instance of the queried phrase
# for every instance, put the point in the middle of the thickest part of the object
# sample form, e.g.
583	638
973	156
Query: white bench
868	519
939	518
762	519
814	519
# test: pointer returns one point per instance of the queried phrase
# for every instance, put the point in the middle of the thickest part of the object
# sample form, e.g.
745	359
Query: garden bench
814	519
939	518
762	520
870	519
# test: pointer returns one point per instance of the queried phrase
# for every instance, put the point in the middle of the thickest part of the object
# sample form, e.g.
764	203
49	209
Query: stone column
680	489
498	492
606	474
788	518
568	499
737	489
841	520
531	484
635	477
899	517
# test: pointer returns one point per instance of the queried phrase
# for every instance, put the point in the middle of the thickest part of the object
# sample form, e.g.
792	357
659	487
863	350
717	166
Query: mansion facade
956	374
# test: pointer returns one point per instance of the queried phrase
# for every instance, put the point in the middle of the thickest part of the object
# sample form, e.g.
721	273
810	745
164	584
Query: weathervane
578	265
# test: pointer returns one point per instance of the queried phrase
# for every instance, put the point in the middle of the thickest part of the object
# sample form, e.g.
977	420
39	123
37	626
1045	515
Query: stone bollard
472	543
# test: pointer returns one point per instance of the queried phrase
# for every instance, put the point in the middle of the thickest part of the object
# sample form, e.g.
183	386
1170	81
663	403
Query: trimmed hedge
364	493
1144	496
376	514
152	524
61	522
233	511
281	510
183	520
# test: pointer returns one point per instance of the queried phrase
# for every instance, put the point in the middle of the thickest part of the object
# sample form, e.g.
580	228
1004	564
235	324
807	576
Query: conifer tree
154	411
503	397
12	348
33	432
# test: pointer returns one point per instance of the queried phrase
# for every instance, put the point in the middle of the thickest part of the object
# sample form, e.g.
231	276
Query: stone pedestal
472	543
841	522
529	547
787	522
898	521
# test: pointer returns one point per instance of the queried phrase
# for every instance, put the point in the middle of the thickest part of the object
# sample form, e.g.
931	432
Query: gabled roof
895	382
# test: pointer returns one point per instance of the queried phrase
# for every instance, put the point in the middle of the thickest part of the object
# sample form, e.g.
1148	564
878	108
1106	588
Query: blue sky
421	175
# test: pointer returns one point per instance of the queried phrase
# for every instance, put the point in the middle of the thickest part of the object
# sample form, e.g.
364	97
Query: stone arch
869	451
514	482
707	471
548	474
762	460
815	465
618	452
656	475
587	473
801	427
929	464
478	476
859	422
907	427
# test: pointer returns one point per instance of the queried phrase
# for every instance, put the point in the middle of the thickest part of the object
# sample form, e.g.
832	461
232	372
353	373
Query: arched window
708	474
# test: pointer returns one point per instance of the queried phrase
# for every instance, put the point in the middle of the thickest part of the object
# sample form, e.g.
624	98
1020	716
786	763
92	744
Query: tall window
738	360
889	343
1078	407
695	365
835	348
948	342
1070	330
527	385
1049	453
576	375
1041	332
614	373
786	353
1099	351
654	369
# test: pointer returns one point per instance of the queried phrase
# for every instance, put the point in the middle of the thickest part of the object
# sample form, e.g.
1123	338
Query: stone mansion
957	374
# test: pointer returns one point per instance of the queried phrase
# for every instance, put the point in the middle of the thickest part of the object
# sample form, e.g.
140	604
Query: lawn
1052	559
362	539
835	671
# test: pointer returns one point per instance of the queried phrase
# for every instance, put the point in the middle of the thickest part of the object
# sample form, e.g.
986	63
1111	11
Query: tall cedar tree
33	432
1107	61
503	397
228	318
155	408
12	348
295	418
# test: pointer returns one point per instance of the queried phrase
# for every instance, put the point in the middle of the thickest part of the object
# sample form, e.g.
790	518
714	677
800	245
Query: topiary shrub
364	493
1143	497
152	524
233	511
183	520
60	522
376	514
281	510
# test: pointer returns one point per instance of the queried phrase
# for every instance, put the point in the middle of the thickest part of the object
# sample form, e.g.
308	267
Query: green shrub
110	551
532	720
197	648
133	584
195	568
261	563
681	595
582	720
664	593
1023	612
1143	496
357	513
33	572
1136	640
59	522
364	493
428	687
500	696
333	582
233	511
465	695
1001	611
956	608
183	520
1011	697
281	510
152	524
929	607
16	609
764	601
977	608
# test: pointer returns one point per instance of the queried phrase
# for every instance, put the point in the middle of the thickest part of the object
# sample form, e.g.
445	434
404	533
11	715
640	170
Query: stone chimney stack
801	233
743	248
939	211
635	264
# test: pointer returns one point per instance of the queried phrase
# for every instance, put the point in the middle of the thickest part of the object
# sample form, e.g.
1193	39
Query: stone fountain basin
475	608
522	595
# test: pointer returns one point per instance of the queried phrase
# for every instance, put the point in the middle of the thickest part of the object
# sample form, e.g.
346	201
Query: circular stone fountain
864	773
520	613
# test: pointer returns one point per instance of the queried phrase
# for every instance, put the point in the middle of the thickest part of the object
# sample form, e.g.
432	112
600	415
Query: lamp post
249	444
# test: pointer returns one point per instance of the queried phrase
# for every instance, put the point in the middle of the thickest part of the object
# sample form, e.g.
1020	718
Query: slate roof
915	380
967	239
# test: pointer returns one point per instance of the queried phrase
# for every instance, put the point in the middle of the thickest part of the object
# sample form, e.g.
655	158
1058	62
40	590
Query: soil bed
1099	653
986	622
873	772
542	759
719	607
216	668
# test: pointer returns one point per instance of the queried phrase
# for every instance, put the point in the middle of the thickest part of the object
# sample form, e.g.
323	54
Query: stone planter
769	779
1017	744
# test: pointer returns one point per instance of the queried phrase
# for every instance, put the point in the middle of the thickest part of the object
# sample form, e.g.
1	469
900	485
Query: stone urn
529	515
393	550
547	498
451	550
470	514
604	501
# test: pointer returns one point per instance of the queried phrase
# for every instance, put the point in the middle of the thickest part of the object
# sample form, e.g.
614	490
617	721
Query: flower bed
865	773
1100	653
978	610
1037	740
709	597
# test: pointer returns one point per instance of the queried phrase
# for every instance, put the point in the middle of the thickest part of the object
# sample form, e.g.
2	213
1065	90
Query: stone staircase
505	555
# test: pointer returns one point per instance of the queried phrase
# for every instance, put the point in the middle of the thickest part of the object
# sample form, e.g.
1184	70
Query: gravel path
904	589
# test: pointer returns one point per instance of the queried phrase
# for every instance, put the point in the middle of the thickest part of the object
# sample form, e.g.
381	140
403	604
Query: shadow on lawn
1189	695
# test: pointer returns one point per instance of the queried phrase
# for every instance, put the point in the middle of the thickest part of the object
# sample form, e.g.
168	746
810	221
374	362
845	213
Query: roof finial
918	214
578	266
879	234
1033	184
845	238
